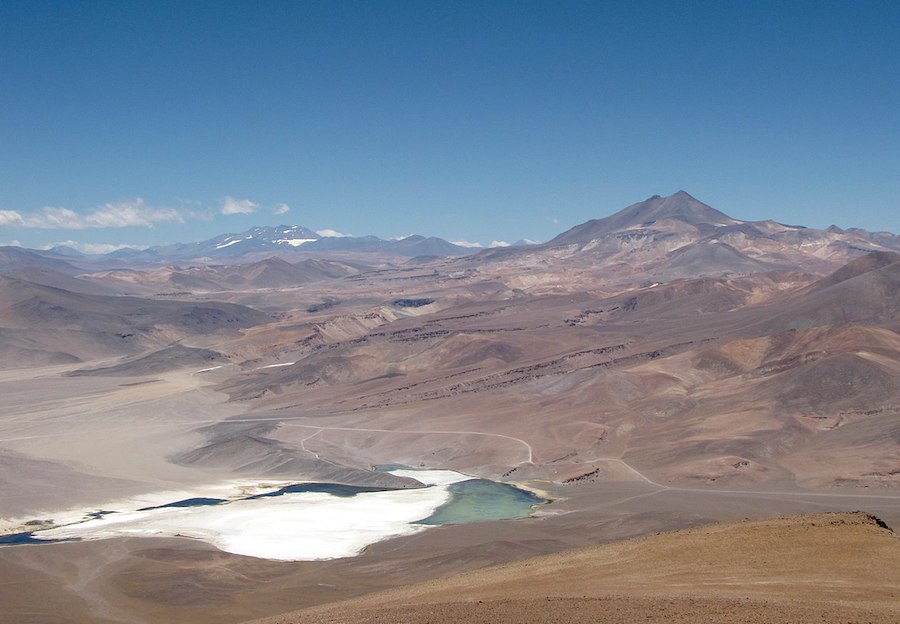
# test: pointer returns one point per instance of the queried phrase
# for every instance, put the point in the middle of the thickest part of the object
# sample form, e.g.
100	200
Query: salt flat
305	526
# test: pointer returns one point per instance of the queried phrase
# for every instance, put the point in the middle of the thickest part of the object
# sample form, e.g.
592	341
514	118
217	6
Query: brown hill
680	207
49	277
864	264
25	304
709	258
665	238
690	382
12	258
830	568
167	359
77	326
275	272
245	449
866	290
270	272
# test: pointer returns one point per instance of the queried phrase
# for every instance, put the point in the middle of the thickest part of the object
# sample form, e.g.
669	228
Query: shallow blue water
478	500
27	538
188	502
335	489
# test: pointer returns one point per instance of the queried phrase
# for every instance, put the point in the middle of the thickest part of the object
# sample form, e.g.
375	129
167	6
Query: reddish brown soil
830	568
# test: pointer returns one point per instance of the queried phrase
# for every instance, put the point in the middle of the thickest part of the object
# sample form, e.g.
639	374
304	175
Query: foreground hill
828	568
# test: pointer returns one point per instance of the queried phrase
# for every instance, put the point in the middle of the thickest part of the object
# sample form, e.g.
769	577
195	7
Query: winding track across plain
530	455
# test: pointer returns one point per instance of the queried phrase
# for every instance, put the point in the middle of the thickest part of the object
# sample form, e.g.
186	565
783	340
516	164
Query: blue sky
155	122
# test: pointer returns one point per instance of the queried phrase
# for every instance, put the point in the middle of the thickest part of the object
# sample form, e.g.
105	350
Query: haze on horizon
149	124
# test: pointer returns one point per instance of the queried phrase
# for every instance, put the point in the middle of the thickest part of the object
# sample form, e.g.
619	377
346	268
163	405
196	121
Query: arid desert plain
665	368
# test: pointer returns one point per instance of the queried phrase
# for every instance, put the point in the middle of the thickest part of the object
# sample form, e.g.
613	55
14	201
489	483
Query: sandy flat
103	438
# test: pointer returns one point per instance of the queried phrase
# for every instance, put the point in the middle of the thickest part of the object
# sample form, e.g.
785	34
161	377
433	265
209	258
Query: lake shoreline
307	521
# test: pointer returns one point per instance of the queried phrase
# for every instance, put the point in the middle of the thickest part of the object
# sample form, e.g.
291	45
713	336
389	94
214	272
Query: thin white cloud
12	243
462	243
129	213
281	209
499	243
93	248
555	221
231	206
56	219
202	214
194	209
10	217
528	241
329	233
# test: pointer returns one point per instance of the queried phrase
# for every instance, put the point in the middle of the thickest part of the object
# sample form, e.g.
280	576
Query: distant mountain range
665	237
254	244
288	238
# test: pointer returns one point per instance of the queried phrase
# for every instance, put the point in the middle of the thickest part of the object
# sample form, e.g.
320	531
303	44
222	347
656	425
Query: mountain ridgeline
679	233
